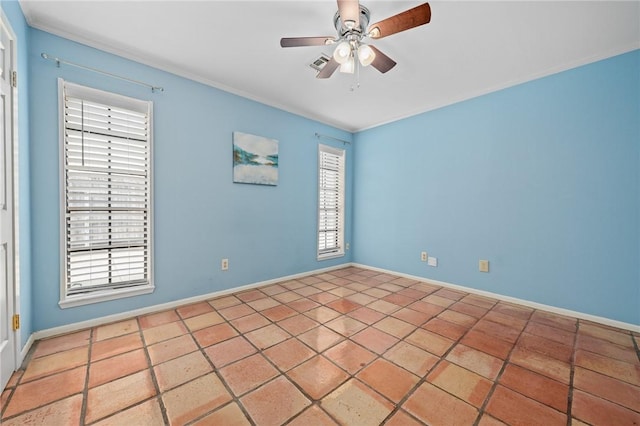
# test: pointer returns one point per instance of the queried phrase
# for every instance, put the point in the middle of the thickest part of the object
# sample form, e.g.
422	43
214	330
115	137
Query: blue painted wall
542	179
200	215
16	19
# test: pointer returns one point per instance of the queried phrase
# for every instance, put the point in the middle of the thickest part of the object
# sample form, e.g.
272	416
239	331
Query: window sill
104	296
329	256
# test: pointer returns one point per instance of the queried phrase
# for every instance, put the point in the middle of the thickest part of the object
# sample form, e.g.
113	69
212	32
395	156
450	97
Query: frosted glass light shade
342	52
349	66
366	55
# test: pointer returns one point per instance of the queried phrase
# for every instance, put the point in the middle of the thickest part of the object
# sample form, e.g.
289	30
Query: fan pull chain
356	84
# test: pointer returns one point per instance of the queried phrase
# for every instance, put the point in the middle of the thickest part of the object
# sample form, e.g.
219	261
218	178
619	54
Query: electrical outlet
347	246
432	261
483	266
423	256
224	264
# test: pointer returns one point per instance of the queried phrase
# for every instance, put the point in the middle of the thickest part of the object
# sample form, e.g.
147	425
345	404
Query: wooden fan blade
349	12
403	21
305	41
382	62
329	68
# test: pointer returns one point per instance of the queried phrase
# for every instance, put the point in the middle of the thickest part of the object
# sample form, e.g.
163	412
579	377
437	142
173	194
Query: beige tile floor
351	347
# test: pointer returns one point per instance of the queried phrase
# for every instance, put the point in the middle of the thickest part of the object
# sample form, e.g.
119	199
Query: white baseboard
535	305
42	334
27	347
69	328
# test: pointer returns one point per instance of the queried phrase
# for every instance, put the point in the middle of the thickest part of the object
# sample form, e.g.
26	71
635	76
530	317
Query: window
106	195
330	202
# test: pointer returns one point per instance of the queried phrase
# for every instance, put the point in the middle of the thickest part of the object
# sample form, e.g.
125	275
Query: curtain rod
59	61
319	135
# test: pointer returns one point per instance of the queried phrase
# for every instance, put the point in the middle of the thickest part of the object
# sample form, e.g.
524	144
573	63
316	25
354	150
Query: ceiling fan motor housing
345	30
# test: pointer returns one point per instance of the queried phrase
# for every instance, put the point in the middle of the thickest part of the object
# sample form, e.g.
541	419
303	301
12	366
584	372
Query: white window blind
107	191
330	201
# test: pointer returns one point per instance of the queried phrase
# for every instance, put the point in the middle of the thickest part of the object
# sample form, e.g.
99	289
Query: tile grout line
481	409
635	344
152	372
85	392
284	373
421	381
350	376
572	373
378	356
9	398
234	399
398	405
148	368
504	367
26	361
442	358
459	341
318	353
14	389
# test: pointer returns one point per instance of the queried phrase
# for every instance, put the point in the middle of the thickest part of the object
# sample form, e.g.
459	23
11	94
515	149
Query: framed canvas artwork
255	159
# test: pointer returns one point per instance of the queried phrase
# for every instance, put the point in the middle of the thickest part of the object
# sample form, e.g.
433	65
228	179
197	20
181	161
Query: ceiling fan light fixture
366	55
351	22
342	52
349	66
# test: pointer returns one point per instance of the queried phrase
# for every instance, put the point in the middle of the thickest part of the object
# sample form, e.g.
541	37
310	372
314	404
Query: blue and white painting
255	159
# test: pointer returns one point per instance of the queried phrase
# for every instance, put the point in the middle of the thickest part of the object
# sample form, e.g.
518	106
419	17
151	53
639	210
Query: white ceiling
468	49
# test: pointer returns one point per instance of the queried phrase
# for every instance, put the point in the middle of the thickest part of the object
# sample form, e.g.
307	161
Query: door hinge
14	78
16	322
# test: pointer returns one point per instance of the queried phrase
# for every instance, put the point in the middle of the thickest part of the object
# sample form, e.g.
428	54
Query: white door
7	290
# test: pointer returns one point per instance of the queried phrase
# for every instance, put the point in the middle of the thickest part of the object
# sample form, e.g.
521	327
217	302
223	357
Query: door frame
12	151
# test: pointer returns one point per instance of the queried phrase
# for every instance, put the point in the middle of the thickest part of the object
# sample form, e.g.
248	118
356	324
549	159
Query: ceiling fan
351	22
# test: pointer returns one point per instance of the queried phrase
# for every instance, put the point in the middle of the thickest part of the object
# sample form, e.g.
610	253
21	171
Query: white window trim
340	252
69	301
